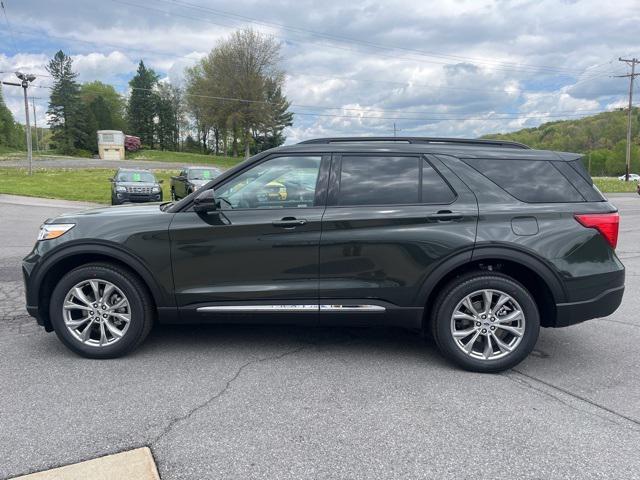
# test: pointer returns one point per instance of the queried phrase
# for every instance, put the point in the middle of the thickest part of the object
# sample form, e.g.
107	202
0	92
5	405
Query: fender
161	297
529	259
493	252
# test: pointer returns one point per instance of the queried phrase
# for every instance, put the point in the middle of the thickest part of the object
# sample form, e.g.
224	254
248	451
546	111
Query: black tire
454	292
142	311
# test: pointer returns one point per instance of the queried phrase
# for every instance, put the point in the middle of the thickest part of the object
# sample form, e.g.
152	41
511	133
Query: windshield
202	174
144	177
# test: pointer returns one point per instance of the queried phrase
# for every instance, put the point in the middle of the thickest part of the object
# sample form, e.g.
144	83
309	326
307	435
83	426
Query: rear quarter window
531	181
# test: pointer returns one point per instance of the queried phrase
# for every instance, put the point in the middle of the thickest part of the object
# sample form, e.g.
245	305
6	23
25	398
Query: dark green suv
479	243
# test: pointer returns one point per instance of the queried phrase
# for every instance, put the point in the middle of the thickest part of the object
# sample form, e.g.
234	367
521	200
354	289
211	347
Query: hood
199	183
128	210
136	184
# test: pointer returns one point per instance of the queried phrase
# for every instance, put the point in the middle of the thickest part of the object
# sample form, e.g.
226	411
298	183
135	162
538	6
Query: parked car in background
633	177
190	179
478	243
135	185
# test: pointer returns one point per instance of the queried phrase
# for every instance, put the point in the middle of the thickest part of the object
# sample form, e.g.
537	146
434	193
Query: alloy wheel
96	312
488	324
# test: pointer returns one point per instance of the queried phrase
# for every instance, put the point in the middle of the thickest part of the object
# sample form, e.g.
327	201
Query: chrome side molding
308	308
259	308
351	308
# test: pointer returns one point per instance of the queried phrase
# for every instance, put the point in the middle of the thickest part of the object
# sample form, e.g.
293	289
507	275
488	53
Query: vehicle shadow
199	339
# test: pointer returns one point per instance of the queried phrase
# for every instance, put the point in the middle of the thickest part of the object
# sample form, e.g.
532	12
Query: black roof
420	140
461	148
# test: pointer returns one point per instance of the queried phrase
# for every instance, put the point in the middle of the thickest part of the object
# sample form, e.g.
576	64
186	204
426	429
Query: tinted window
368	180
282	182
434	188
586	189
528	180
145	177
203	173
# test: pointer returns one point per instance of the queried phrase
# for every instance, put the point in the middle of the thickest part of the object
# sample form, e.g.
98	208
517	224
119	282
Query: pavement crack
176	420
635	423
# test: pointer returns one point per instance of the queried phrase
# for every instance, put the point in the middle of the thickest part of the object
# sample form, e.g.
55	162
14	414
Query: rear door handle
445	216
289	222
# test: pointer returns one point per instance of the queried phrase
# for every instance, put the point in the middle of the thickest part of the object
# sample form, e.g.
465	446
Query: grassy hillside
186	158
602	137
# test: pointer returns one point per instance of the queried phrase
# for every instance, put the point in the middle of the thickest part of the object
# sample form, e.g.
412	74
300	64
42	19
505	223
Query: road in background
282	402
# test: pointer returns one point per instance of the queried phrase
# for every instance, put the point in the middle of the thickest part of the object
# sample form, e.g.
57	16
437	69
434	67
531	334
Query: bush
131	143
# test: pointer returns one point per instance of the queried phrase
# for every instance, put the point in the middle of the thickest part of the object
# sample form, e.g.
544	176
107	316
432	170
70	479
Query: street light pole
26	78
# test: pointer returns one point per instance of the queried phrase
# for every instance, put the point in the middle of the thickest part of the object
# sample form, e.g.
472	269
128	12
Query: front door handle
289	222
445	216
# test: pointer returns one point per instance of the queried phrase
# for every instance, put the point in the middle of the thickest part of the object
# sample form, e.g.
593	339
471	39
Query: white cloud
465	60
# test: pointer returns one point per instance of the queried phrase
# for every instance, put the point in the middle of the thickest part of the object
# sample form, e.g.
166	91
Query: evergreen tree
65	117
142	104
168	114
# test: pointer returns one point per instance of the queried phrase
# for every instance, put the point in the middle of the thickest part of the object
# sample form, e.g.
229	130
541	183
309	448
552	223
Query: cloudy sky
439	68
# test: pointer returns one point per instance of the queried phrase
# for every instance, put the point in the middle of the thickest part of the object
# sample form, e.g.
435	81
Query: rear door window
391	180
366	180
531	181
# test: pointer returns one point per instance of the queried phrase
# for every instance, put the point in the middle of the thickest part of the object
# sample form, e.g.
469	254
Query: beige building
111	144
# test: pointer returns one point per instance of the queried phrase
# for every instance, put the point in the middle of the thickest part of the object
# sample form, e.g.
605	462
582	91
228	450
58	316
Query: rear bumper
575	312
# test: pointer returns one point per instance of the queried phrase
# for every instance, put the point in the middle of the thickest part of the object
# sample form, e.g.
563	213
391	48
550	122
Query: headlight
121	189
194	187
155	189
51	231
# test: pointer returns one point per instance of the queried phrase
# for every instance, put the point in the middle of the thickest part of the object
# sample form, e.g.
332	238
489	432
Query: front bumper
575	312
138	198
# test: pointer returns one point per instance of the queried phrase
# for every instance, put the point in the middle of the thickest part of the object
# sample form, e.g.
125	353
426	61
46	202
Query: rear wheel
485	322
101	311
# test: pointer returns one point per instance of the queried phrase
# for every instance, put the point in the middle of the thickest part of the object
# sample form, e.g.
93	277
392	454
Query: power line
6	17
632	63
341	38
394	57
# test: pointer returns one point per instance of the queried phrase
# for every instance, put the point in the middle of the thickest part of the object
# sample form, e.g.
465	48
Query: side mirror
160	181
205	201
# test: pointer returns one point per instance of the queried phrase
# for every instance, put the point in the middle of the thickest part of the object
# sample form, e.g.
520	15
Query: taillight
606	223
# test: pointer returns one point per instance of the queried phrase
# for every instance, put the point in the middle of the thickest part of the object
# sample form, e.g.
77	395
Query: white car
634	177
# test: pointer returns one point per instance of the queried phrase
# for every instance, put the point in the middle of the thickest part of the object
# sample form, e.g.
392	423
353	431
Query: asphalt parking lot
280	402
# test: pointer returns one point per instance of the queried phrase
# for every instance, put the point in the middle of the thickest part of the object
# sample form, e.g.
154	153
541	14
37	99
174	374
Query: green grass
88	185
613	185
186	158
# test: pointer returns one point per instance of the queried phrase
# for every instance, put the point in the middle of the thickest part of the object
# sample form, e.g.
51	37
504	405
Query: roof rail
430	140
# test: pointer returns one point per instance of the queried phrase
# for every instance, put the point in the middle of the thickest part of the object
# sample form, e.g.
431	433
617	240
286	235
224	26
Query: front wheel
485	322
101	311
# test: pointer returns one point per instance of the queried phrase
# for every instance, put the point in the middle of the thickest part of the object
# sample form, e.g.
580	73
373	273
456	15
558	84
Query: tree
106	103
11	133
141	110
237	91
64	112
168	112
277	120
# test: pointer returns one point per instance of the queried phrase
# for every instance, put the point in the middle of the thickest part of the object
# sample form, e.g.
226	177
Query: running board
308	308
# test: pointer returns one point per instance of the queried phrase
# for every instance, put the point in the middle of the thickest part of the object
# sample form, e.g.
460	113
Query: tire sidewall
462	288
136	325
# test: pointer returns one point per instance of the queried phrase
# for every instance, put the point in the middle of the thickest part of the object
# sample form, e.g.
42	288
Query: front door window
282	182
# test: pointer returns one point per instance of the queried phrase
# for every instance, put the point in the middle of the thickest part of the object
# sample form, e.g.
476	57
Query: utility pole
396	130
35	122
26	79
632	62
